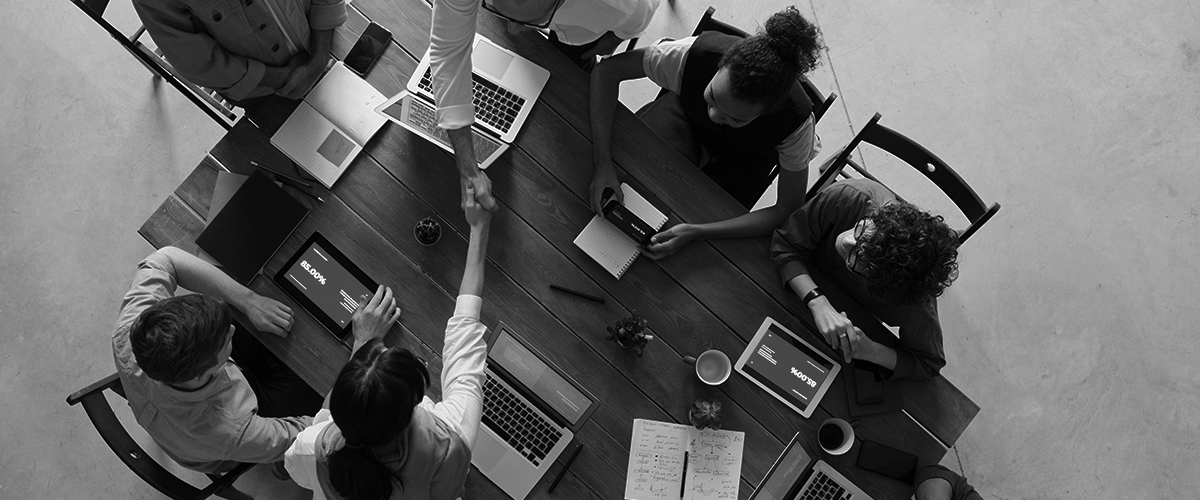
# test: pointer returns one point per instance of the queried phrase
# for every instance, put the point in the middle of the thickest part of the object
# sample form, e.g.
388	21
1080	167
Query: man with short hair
173	357
245	49
888	255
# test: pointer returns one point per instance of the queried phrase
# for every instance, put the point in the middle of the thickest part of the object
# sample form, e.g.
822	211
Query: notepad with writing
607	245
333	123
669	461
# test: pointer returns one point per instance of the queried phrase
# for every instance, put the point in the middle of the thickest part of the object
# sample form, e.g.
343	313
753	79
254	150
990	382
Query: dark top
761	136
806	242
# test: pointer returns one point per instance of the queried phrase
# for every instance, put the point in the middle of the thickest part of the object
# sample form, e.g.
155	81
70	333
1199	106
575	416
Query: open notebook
332	124
613	249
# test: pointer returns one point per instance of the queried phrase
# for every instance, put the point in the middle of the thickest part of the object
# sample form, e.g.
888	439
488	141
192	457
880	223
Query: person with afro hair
733	106
890	256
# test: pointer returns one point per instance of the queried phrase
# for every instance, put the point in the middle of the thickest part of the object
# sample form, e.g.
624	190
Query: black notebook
247	232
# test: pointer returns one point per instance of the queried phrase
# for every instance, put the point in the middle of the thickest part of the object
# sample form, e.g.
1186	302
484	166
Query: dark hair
372	402
178	339
763	67
910	256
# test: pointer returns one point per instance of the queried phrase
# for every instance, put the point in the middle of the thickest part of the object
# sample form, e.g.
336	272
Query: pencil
566	466
577	293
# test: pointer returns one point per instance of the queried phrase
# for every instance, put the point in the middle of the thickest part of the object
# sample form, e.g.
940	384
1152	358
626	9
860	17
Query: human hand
605	177
374	318
476	215
669	241
515	28
605	45
481	189
834	326
268	315
302	78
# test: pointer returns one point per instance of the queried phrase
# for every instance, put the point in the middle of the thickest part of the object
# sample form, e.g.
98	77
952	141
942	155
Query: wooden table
711	294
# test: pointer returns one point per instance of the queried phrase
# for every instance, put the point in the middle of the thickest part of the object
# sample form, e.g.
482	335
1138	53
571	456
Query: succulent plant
428	231
706	414
630	333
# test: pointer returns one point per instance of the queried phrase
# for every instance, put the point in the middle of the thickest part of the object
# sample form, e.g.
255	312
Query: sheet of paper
349	102
607	245
655	461
311	140
714	465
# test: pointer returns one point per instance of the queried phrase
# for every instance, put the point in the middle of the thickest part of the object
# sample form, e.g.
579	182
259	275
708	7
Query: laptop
505	86
531	412
794	476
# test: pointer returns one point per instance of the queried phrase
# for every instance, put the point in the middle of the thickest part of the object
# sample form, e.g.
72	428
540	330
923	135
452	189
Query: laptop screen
327	284
538	377
788	367
785	475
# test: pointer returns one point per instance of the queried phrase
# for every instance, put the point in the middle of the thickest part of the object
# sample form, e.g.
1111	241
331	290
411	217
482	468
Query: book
253	224
331	125
669	461
610	247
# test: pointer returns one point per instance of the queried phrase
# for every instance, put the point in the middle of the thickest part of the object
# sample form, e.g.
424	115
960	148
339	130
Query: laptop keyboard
823	487
494	105
516	423
423	116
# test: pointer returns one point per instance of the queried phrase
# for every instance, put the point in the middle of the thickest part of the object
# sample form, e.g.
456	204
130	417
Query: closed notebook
611	248
254	223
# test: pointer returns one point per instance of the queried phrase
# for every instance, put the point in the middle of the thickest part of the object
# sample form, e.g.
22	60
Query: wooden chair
925	162
110	428
209	101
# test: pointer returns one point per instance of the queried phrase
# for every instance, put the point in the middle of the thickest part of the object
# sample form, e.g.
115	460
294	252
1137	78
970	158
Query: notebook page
607	245
714	467
655	470
311	140
642	208
349	102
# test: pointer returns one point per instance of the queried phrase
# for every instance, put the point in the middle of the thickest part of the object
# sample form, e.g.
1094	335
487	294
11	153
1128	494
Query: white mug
836	436
712	366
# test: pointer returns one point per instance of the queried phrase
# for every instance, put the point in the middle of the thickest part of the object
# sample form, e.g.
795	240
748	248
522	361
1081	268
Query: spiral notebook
610	247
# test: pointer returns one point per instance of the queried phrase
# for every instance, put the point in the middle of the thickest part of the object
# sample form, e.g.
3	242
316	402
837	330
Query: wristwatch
812	294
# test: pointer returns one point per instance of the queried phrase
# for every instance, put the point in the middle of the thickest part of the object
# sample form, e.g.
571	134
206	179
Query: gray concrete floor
1070	324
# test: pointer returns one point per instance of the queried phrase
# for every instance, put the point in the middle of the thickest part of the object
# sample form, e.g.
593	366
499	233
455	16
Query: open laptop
531	412
795	477
505	86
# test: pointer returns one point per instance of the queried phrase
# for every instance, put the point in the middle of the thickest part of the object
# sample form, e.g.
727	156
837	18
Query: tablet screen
788	367
317	275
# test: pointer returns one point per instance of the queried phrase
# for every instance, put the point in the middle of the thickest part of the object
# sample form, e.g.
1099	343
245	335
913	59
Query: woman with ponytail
734	107
380	437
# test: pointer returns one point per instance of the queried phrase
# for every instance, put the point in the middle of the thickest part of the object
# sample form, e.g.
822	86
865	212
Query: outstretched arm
199	276
605	86
480	221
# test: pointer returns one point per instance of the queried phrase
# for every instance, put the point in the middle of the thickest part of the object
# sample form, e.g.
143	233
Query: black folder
246	233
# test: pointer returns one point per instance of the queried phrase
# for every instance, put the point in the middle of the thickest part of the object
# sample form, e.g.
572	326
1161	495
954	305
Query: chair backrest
921	159
132	454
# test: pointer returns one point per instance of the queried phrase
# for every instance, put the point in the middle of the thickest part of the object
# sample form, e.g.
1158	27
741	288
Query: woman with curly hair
890	256
734	107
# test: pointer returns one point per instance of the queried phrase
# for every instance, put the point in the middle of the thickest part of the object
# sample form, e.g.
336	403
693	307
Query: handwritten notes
656	462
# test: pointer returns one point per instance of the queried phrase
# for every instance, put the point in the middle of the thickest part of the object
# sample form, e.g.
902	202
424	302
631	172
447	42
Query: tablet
326	283
789	368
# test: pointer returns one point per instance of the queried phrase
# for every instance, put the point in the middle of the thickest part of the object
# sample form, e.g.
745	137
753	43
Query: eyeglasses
541	22
852	258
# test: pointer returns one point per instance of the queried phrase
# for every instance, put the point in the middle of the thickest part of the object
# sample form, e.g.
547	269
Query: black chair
207	100
117	438
925	162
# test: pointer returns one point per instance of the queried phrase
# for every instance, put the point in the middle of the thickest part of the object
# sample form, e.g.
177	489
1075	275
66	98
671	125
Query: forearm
756	223
320	44
472	282
603	101
464	151
199	276
879	354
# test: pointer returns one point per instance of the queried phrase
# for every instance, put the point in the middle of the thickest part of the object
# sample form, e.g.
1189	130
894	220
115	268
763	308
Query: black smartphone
368	48
888	461
868	386
633	226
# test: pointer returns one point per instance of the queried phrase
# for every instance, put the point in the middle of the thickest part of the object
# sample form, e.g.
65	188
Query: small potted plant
630	333
706	414
428	231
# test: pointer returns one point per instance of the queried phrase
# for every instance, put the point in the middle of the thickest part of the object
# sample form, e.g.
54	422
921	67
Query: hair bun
794	39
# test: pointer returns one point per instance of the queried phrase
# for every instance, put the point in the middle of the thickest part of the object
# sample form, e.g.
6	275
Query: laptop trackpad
487	451
490	60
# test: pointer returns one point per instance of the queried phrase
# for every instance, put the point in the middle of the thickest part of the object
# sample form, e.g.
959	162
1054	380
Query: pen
683	480
577	293
566	466
295	182
300	186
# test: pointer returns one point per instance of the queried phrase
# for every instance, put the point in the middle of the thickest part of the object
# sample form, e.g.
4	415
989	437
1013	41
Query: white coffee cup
836	436
712	366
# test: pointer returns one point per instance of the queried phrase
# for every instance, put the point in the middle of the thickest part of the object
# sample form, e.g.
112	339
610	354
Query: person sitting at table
206	412
380	436
245	49
588	27
934	482
888	255
734	108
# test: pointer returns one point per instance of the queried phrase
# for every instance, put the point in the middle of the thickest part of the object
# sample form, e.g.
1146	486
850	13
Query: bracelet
811	295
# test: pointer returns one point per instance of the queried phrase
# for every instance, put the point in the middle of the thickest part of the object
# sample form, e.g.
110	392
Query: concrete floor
1068	324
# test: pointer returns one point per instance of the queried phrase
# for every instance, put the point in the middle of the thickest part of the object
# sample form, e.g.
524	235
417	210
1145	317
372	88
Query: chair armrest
109	382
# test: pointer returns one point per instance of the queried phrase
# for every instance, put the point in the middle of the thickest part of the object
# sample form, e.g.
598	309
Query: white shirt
453	30
664	62
463	357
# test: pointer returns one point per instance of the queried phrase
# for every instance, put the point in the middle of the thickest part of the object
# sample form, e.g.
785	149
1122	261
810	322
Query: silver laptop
795	477
505	86
531	412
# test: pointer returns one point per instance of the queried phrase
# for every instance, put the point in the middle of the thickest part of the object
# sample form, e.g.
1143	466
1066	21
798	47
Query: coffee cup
712	366
836	436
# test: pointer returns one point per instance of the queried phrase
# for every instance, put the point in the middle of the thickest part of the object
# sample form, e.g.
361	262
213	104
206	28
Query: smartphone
368	48
633	226
888	461
868	386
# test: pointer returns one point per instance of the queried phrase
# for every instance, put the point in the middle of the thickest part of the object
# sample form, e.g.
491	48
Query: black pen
566	466
300	186
683	480
280	177
577	293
